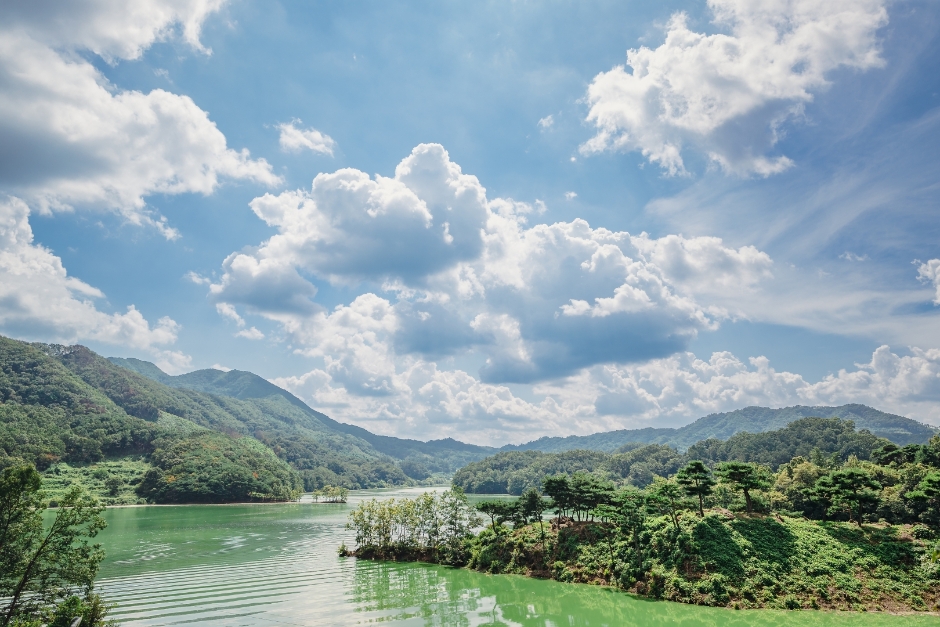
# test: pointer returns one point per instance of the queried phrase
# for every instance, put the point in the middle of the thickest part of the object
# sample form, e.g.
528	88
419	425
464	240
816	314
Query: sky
491	221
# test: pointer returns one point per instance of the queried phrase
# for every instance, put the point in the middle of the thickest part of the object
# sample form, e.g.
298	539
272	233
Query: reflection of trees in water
459	597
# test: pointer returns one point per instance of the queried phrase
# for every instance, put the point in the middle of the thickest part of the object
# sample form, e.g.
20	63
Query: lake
259	565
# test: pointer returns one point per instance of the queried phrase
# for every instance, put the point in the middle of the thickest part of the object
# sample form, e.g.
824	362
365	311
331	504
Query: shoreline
641	597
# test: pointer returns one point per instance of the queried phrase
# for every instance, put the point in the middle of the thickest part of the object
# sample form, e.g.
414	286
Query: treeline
68	405
825	440
815	533
433	528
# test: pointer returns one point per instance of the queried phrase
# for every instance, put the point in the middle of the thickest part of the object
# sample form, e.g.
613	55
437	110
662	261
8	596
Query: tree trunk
701	505
747	500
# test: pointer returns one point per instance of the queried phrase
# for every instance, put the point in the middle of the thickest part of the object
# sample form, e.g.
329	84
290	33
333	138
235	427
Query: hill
825	440
898	429
64	408
442	456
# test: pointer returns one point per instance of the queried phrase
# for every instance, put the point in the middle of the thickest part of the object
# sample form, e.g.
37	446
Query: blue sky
517	228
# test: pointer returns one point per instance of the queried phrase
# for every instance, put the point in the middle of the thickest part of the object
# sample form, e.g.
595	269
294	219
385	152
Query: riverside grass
722	559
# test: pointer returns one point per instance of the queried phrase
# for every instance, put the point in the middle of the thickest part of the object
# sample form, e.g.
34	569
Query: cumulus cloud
350	227
930	273
69	138
467	273
250	333
39	300
728	95
547	122
429	402
684	386
295	139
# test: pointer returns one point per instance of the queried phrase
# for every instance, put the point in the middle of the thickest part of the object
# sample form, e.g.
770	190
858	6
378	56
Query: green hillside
66	412
824	440
440	456
898	429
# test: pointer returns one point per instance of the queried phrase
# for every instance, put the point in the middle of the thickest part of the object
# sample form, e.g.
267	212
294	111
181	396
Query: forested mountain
444	456
823	440
198	432
898	429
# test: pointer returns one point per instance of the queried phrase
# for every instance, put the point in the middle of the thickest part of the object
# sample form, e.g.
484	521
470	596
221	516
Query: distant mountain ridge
247	385
898	429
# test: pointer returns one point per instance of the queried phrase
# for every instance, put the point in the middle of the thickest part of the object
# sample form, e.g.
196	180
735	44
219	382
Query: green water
277	565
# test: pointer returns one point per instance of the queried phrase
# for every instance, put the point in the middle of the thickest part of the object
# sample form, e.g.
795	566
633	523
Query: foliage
430	527
744	477
331	494
44	566
831	436
208	467
512	472
696	481
900	430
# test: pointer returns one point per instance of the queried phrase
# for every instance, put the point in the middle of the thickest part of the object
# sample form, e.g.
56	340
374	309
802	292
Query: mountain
898	429
68	405
444	455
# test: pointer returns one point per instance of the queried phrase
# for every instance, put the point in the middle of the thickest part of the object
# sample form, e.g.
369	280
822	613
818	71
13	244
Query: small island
819	533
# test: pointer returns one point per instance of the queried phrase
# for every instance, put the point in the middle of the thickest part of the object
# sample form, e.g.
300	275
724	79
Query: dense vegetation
722	426
819	532
85	420
430	527
512	472
47	571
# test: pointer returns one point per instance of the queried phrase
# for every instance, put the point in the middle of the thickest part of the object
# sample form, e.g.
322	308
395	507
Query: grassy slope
734	561
898	429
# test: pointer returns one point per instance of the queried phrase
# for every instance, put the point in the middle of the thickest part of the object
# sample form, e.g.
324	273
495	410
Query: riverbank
721	559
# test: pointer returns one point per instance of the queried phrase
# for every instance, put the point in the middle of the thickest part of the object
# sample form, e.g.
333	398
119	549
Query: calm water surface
277	565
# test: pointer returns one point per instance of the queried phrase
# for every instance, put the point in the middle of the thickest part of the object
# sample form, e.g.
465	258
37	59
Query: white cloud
468	273
250	333
850	256
571	195
72	139
295	139
350	227
727	95
228	310
930	273
547	122
39	300
431	403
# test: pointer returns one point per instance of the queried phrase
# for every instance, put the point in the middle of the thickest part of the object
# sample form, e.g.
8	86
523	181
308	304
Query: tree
533	506
928	493
499	512
665	497
41	567
559	489
696	480
849	489
743	477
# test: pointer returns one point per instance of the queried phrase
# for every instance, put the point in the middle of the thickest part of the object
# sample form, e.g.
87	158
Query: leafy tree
588	491
532	507
743	477
495	510
696	480
665	497
849	489
928	493
42	566
558	488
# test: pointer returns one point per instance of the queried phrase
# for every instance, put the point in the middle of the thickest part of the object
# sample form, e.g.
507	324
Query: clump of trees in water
816	532
47	571
430	527
331	494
